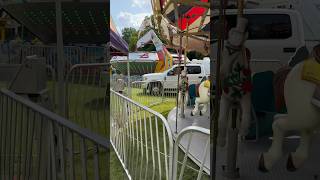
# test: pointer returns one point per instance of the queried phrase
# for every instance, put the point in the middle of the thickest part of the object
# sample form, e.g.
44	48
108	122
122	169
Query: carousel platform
198	141
248	153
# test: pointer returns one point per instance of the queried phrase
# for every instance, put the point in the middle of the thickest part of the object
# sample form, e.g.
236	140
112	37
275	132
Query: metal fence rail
73	54
142	91
139	92
141	138
195	144
38	144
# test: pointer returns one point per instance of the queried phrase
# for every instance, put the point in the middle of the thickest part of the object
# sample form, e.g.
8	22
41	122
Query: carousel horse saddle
193	93
311	71
207	84
263	104
194	90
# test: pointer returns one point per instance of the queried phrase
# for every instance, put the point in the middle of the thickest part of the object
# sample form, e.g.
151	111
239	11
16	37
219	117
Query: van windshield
261	26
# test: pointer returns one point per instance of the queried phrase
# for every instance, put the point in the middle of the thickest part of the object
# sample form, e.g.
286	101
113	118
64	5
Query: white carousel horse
203	99
183	84
302	116
183	95
236	81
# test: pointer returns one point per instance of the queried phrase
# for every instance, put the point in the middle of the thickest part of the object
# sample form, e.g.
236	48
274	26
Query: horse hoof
290	165
262	167
191	114
200	113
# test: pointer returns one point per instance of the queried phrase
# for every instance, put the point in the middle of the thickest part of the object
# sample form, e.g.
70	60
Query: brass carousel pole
215	101
187	42
179	65
240	8
185	67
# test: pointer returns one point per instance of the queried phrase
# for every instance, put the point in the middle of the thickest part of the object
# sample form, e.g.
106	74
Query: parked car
167	81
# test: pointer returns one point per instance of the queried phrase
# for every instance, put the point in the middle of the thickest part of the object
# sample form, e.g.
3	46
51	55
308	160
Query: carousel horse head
203	99
303	115
236	80
237	36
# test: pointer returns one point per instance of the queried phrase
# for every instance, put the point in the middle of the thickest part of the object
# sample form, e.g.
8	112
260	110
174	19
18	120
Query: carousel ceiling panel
83	22
191	17
189	13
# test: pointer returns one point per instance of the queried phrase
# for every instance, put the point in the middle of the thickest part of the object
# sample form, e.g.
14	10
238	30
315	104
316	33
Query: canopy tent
117	44
140	63
188	18
83	22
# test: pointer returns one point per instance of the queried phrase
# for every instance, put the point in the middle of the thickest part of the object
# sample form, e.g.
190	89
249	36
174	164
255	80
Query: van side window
177	70
194	69
261	26
269	26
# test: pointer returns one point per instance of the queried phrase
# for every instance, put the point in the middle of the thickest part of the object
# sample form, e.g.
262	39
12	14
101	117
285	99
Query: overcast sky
129	13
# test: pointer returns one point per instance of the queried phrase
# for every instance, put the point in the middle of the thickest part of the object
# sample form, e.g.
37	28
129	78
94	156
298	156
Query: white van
274	35
167	81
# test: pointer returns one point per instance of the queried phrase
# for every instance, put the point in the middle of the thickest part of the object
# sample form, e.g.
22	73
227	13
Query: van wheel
155	89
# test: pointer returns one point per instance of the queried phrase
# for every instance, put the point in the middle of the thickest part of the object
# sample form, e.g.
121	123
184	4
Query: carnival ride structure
142	62
184	26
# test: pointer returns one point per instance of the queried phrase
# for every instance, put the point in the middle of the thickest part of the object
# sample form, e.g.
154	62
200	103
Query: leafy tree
130	35
127	33
133	42
195	55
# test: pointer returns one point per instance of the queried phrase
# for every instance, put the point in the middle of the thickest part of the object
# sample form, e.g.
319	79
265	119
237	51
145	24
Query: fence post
44	153
128	75
163	92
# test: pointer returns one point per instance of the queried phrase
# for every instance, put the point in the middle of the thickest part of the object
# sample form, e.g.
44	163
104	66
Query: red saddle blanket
197	90
279	80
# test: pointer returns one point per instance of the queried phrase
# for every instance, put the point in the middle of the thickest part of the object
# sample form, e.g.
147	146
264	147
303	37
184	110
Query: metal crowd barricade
144	93
87	86
73	54
39	144
141	138
185	141
141	95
